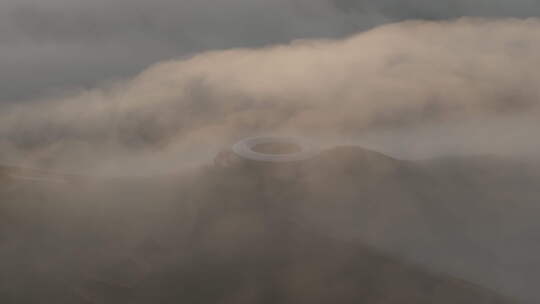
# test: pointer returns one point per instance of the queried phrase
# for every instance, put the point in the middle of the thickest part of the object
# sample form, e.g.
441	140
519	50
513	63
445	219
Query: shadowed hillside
347	226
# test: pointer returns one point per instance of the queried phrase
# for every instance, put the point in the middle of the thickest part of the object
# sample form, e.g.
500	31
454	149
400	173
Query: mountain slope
348	226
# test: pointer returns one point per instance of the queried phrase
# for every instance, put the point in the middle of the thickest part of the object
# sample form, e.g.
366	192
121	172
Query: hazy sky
48	46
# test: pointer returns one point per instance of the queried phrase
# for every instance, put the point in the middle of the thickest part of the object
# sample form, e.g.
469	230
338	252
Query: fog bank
434	76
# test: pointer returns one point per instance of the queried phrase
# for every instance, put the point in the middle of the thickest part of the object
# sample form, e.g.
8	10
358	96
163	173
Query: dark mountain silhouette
347	226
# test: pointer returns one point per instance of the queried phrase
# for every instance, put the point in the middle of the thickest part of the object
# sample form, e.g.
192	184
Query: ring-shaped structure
244	148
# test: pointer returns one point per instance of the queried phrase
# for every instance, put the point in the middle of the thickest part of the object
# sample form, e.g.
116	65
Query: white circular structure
274	149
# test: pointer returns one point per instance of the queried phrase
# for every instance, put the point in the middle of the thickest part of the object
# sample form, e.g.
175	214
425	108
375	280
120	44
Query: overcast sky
49	46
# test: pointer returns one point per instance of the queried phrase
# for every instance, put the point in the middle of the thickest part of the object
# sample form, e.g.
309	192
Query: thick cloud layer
469	78
55	45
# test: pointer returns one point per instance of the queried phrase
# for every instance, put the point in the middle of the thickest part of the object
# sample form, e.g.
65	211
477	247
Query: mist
442	172
471	79
53	46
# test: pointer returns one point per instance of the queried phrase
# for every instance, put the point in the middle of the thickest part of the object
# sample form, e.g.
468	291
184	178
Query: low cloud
49	46
406	76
